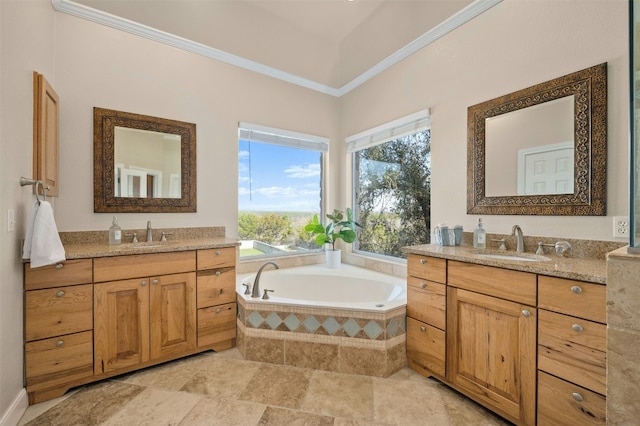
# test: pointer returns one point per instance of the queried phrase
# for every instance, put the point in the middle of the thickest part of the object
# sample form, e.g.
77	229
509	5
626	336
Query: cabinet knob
423	328
576	289
154	281
143	283
217	273
577	396
423	261
59	343
59	293
423	285
59	265
218	310
526	313
577	327
217	252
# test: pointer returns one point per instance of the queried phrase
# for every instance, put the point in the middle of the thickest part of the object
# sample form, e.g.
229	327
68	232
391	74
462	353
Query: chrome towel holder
25	181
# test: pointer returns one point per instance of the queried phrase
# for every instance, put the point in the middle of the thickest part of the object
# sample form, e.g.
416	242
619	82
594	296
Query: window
392	185
279	189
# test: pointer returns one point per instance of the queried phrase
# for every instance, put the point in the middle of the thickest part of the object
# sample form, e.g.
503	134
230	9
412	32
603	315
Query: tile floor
224	389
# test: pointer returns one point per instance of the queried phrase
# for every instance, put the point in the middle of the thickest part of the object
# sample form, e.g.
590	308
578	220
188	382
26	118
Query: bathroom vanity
526	339
110	310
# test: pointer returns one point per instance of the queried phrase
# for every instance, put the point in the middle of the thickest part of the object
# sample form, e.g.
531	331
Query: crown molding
70	7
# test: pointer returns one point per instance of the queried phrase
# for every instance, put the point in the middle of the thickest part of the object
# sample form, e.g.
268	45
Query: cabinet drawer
562	403
143	265
426	302
577	298
503	283
56	311
216	287
428	268
59	360
216	324
216	258
573	348
65	273
425	347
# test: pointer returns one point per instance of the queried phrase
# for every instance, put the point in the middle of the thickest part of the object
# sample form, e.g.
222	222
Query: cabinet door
492	349
121	324
173	314
45	134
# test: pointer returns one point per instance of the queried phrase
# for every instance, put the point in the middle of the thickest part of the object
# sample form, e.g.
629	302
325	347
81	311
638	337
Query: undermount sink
515	257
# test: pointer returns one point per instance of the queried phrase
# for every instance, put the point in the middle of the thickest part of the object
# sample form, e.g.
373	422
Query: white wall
515	44
26	35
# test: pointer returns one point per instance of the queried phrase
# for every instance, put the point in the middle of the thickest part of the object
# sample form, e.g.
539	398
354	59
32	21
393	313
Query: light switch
11	220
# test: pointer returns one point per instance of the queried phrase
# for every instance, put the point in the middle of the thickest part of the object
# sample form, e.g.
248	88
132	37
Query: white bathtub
349	287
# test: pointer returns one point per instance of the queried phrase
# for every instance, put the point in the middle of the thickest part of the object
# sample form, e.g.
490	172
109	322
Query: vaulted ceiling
334	44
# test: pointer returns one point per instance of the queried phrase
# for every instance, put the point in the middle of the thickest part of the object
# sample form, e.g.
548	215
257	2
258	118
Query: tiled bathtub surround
358	342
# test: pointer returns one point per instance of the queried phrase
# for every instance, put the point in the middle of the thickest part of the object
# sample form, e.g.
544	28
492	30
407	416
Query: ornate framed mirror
541	150
142	163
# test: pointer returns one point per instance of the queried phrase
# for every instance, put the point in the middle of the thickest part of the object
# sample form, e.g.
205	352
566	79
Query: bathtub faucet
255	292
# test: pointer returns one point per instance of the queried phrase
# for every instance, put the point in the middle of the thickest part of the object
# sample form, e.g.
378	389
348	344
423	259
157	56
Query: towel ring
24	181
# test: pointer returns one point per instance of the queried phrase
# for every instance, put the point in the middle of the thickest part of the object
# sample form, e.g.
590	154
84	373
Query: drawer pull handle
59	343
217	273
526	313
217	252
577	327
59	265
154	281
423	261
576	289
423	328
143	283
423	285
218	310
60	293
577	396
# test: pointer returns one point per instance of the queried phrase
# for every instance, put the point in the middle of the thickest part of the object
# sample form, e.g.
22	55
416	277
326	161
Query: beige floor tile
353	422
91	405
405	402
281	416
340	395
276	385
155	407
221	377
224	412
462	411
169	376
35	410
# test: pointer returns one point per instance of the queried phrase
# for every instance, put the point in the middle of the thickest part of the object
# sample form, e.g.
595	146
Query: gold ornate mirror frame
104	123
589	88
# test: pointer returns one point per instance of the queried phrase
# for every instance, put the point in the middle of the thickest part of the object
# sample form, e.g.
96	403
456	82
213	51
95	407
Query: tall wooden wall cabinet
45	134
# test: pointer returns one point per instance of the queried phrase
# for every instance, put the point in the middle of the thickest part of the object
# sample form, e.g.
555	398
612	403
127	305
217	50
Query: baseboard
17	408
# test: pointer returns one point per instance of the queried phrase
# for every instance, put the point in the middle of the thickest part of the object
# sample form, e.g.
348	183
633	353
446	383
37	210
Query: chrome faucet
149	232
517	231
255	292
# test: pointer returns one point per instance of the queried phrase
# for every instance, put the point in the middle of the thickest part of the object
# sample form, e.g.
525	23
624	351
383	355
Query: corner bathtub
349	287
348	320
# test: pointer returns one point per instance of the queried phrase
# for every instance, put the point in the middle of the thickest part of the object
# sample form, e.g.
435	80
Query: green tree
274	229
394	194
248	226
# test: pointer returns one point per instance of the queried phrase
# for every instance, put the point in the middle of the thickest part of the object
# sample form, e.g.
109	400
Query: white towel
26	248
45	245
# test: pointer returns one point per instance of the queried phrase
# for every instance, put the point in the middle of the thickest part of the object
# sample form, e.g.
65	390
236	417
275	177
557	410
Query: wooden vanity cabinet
58	308
216	297
426	314
491	338
146	317
572	356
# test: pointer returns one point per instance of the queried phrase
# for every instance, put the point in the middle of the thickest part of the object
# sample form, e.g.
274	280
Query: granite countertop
583	269
82	251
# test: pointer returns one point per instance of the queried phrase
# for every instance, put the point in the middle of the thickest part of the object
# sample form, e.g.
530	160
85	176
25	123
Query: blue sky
277	178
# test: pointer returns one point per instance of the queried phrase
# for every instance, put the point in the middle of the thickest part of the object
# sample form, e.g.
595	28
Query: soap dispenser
115	233
479	236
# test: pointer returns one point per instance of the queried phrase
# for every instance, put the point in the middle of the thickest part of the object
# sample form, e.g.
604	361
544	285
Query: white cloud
308	170
243	154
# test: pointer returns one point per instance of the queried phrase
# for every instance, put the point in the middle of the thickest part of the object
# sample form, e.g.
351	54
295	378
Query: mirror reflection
530	151
147	163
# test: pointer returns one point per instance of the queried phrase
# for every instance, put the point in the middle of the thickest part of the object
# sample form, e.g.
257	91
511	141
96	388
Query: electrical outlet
621	226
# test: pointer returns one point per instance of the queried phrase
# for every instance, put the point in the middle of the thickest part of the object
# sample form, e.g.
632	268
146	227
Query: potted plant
339	228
